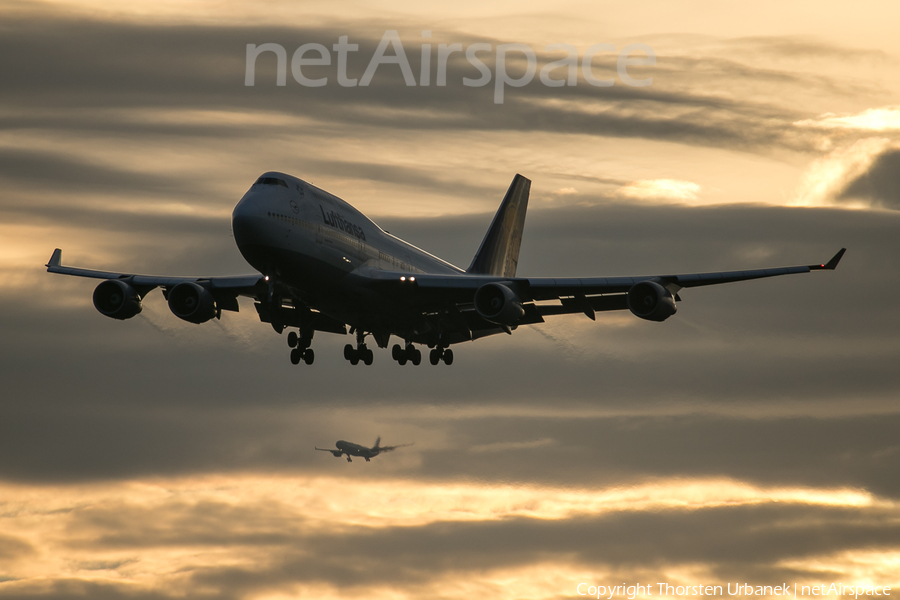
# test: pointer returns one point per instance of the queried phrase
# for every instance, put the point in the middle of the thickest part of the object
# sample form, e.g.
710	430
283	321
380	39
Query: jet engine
192	302
651	301
498	304
115	298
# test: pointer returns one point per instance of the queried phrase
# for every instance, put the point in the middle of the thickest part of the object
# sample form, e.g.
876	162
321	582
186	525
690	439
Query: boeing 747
324	266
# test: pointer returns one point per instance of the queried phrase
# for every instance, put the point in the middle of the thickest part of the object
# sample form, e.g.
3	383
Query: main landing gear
408	354
301	352
412	354
361	352
438	354
301	349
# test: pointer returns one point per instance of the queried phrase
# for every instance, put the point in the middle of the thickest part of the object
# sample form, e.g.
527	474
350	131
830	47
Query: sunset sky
752	437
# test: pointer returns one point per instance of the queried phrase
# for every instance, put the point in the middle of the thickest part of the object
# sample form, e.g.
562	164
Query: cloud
871	120
841	176
13	549
512	446
55	172
880	183
787	48
113	66
239	536
661	189
859	171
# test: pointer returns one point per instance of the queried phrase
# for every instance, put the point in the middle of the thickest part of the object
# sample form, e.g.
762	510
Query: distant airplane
324	266
351	449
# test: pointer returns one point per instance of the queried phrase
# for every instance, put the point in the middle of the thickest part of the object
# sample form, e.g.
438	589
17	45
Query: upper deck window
271	181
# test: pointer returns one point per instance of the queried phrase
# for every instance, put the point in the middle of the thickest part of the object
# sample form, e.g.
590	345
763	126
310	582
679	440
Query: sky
751	438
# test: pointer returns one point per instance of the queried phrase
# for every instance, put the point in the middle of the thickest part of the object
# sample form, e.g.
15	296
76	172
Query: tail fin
377	443
499	251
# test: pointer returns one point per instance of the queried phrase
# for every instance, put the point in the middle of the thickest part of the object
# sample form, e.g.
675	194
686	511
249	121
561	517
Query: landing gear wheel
396	351
402	360
292	339
416	358
367	356
309	356
349	351
434	357
296	355
448	357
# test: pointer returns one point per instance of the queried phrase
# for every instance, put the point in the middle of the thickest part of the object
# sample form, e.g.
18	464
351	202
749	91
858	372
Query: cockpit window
271	181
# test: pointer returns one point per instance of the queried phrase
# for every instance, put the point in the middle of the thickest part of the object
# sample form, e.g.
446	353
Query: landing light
267	277
403	279
412	278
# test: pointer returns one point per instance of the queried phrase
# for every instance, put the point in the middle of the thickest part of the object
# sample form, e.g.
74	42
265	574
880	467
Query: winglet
55	259
831	264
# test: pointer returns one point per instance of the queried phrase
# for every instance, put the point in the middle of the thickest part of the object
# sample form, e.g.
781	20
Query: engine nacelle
498	304
651	301
192	302
115	298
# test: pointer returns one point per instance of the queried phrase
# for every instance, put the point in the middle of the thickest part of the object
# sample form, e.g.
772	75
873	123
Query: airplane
351	449
323	266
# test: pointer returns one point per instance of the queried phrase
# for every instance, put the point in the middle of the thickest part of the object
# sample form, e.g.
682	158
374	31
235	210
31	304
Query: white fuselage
281	228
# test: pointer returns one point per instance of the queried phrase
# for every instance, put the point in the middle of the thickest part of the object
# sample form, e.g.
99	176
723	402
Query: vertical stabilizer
499	251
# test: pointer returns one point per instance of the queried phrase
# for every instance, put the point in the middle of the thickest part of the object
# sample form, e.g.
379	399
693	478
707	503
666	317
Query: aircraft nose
247	222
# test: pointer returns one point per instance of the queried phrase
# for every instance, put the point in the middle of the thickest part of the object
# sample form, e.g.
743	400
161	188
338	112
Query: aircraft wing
575	295
224	289
337	453
245	283
546	288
